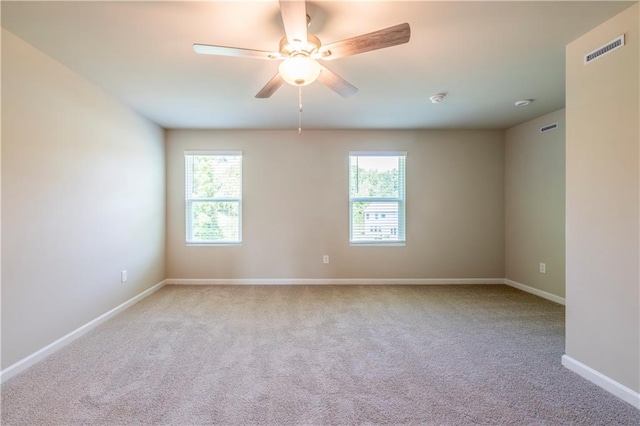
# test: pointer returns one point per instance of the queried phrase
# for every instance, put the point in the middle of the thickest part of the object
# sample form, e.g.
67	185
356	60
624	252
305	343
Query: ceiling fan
300	51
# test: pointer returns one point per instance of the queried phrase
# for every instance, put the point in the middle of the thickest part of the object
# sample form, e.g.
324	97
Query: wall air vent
607	48
548	127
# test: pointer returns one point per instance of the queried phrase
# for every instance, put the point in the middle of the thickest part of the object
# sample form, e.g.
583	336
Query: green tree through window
214	197
377	197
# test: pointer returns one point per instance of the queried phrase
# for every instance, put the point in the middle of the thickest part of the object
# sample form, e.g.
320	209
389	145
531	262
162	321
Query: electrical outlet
325	258
543	268
123	276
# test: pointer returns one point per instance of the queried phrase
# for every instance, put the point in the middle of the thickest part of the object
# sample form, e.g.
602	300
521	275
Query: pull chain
299	110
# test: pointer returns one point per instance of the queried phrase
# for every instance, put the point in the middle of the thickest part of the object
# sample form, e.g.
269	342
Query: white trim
214	244
212	152
332	281
618	389
382	243
41	354
375	153
539	293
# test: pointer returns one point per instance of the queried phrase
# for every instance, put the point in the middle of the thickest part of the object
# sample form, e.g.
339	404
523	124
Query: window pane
215	221
216	176
375	221
213	197
375	176
377	197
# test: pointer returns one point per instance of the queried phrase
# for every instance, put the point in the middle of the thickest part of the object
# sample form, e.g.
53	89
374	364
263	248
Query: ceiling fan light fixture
299	70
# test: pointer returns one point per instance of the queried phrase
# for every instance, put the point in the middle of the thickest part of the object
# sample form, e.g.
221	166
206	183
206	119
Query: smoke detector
436	99
523	102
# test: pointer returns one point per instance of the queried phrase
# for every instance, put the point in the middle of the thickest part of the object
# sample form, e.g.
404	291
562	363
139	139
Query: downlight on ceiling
436	99
523	102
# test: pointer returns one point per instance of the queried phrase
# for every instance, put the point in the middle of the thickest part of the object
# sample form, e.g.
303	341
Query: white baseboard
333	281
606	383
539	293
41	354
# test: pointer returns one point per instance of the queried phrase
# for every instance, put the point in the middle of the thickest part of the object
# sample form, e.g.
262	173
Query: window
213	197
377	197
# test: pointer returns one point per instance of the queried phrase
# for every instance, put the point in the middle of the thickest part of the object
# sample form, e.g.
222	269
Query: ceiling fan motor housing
308	49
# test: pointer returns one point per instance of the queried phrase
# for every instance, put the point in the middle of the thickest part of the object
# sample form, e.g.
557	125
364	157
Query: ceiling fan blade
294	18
269	89
387	37
207	49
336	83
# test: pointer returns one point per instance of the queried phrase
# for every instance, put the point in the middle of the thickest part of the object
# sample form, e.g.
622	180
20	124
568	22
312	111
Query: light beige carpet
318	355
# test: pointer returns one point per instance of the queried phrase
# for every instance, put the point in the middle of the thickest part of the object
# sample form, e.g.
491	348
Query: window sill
375	244
213	244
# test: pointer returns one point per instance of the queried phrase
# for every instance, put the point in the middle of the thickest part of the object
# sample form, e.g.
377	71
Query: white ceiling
484	55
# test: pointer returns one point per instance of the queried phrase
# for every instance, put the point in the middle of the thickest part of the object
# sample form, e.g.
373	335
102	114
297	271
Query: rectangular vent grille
607	48
548	127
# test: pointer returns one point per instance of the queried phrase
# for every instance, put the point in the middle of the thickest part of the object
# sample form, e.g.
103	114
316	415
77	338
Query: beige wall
602	210
534	204
296	206
82	199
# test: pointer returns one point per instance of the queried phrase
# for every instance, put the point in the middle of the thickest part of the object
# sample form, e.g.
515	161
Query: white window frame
189	201
401	199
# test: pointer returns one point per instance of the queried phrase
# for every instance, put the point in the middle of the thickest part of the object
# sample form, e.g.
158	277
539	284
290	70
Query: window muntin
377	198
213	197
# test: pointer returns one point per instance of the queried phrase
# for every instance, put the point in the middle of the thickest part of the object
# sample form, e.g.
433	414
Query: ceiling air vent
607	48
548	127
